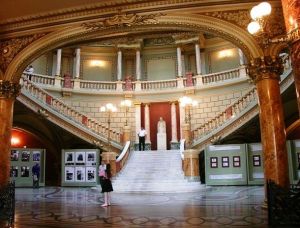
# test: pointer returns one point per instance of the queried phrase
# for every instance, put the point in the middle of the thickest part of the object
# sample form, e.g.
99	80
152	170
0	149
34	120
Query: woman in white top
102	169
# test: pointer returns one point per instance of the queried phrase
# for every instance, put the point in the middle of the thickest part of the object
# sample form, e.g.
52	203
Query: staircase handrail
65	110
122	159
246	107
230	112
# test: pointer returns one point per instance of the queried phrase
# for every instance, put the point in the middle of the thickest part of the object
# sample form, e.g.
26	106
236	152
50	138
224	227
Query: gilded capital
9	89
265	67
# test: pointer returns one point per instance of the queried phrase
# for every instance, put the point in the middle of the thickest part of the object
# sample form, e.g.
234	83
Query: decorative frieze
242	18
266	67
9	89
123	20
10	48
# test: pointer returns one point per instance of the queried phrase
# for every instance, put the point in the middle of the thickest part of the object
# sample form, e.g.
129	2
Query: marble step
153	171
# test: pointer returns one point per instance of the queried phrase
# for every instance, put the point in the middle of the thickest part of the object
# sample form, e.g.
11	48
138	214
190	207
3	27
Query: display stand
80	167
22	161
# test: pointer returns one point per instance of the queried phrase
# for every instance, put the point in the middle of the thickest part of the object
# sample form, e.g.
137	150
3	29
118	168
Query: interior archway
173	24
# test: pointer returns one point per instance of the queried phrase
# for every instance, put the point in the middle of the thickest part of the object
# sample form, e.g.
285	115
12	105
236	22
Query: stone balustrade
157	85
179	83
98	85
223	117
69	112
220	76
41	79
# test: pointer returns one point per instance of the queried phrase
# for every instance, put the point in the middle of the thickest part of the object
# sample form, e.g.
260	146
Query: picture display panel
21	162
80	167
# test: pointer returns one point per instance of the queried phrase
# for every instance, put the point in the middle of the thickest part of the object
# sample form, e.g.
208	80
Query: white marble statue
161	126
161	135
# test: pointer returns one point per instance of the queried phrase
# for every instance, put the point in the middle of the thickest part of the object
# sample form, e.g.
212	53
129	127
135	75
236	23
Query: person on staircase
142	134
107	187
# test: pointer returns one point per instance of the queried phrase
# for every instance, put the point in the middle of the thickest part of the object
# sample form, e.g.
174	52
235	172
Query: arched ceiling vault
165	23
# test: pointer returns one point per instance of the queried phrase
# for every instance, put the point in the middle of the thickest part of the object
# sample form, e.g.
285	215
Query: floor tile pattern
81	207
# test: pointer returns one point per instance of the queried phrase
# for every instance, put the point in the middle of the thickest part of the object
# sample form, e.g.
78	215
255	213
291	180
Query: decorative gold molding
294	35
242	18
238	17
10	48
9	89
123	20
266	67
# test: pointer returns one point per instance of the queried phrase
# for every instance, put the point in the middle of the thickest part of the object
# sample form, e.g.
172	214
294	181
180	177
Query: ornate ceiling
46	25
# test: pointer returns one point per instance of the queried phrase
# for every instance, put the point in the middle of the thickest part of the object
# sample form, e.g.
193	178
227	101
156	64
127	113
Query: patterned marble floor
80	207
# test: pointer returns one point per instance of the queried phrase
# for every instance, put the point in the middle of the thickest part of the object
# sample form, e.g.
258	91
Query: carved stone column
119	67
265	72
174	140
147	123
8	93
58	62
198	58
242	57
174	122
138	64
179	62
291	12
77	63
137	121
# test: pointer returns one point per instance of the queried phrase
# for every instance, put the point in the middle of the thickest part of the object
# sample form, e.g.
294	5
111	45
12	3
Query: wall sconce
187	103
97	63
109	108
127	104
225	53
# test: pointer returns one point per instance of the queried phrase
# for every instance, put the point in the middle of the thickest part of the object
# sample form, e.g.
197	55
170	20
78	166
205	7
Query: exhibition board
21	162
230	164
80	167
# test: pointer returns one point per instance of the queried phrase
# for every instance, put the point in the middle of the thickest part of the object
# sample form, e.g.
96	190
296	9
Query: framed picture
69	174
25	156
24	171
14	155
214	162
236	161
36	156
69	157
90	174
14	170
91	157
80	157
80	174
225	162
256	160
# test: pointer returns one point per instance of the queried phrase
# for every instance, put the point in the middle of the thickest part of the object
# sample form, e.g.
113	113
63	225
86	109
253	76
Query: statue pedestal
161	141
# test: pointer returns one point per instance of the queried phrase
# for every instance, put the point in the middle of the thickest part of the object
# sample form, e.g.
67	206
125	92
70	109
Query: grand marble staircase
153	171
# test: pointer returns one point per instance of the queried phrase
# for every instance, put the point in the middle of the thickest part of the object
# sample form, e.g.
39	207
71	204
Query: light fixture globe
254	13
265	8
253	27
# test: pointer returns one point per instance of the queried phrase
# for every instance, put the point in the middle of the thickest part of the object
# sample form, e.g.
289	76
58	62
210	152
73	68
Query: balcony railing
137	86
